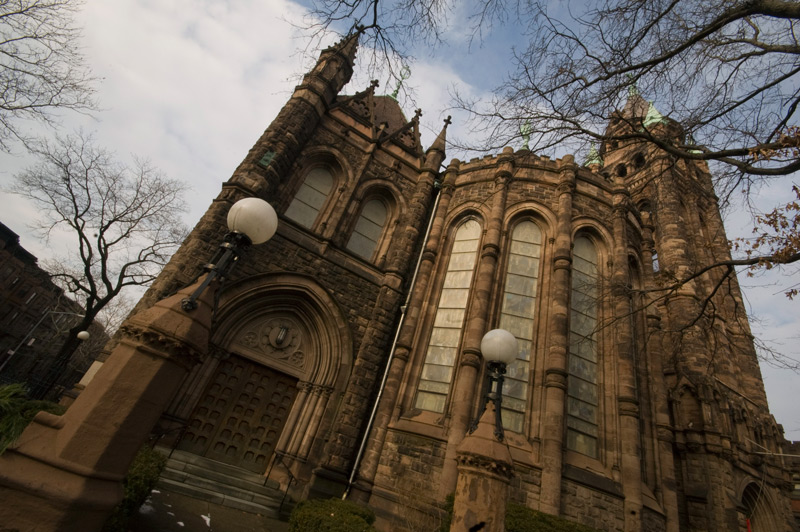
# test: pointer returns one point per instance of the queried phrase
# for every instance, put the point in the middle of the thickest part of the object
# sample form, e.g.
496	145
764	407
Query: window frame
389	203
598	341
324	211
537	315
435	294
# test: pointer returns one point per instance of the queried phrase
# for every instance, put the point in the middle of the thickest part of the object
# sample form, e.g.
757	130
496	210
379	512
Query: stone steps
208	480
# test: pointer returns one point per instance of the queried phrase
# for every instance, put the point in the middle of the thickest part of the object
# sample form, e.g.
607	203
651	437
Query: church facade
346	350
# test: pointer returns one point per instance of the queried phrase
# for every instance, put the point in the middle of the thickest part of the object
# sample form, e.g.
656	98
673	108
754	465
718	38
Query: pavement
166	511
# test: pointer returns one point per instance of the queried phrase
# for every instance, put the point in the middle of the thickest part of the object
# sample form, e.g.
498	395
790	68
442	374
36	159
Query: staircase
208	480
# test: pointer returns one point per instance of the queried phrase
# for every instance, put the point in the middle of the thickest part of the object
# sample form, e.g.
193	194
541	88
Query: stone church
346	354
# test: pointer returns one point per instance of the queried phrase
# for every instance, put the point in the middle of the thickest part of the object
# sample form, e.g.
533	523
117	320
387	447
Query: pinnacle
441	141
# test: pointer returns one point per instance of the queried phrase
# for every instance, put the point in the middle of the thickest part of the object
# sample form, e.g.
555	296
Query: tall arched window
310	198
582	386
437	370
516	316
368	229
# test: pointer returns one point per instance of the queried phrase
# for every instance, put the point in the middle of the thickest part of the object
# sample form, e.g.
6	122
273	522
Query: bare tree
41	65
121	224
725	70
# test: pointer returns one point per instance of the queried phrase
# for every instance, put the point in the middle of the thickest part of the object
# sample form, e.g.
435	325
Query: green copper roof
593	157
653	116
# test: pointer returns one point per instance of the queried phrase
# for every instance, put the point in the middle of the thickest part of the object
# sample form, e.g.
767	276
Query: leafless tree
120	223
726	70
41	65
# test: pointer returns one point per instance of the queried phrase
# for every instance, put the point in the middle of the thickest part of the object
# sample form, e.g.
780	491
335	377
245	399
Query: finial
633	90
405	73
593	157
417	114
690	141
447	121
525	131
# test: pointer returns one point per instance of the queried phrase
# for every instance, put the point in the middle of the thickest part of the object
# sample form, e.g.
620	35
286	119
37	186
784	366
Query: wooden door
241	415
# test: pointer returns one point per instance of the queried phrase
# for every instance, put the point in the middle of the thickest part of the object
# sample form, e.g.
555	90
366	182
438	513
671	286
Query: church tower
346	350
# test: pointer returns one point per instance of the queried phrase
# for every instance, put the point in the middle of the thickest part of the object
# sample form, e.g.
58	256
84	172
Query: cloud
191	84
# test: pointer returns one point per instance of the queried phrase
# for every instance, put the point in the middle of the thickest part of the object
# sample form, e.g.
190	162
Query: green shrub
331	515
448	516
16	411
520	518
139	482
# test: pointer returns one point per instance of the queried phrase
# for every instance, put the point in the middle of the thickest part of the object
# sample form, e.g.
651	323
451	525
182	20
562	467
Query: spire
334	67
593	158
441	141
347	46
635	106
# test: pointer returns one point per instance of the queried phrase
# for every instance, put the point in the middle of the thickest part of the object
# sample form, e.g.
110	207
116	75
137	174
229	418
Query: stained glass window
440	358
311	197
368	229
517	317
582	386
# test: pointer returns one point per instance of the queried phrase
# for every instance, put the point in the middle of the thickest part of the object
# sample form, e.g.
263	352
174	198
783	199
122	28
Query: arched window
310	198
368	229
437	370
582	384
516	316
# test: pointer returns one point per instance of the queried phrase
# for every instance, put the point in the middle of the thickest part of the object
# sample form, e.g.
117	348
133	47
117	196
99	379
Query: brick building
35	315
346	349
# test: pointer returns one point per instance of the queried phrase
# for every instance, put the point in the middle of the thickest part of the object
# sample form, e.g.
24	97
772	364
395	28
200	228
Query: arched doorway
759	513
283	350
241	414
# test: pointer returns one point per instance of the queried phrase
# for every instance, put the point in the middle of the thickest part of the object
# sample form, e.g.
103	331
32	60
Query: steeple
635	106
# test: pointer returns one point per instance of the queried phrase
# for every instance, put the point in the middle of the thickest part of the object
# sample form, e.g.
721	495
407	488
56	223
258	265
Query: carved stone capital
472	358
169	347
494	467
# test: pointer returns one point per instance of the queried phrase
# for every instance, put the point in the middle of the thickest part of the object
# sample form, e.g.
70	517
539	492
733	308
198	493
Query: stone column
665	478
64	473
555	380
628	394
369	464
464	388
484	474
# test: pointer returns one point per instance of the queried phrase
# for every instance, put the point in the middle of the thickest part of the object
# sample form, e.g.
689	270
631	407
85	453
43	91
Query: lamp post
65	472
484	461
83	335
250	221
499	348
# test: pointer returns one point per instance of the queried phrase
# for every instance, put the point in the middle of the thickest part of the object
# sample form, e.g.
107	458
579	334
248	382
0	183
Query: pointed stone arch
282	356
291	324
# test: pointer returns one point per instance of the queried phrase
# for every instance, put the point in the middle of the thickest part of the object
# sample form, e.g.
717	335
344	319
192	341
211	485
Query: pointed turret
334	68
435	154
635	106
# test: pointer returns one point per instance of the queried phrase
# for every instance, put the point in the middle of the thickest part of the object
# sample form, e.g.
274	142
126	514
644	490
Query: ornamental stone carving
278	339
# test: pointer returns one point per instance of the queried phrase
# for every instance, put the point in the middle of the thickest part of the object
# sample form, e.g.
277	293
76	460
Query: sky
191	84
